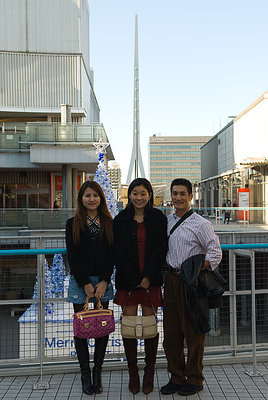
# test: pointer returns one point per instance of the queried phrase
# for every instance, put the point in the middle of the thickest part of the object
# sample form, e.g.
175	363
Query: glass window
33	201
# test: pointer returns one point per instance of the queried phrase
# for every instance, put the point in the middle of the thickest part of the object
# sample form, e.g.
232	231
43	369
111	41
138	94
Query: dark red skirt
140	296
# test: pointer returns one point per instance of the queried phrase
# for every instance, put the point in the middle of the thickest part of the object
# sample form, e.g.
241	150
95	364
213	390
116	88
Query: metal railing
69	132
37	132
35	218
36	323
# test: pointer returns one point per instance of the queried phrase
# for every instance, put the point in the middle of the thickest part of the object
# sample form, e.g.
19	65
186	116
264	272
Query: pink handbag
93	323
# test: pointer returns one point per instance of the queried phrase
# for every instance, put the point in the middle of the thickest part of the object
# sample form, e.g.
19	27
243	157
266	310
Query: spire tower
136	164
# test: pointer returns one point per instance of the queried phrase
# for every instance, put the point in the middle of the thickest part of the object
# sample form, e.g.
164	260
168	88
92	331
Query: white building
44	63
45	59
237	158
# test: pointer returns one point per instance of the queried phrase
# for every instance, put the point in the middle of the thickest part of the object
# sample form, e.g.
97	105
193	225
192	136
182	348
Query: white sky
199	62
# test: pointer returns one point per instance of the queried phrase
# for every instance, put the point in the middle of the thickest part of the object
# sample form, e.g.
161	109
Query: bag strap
183	218
128	295
86	306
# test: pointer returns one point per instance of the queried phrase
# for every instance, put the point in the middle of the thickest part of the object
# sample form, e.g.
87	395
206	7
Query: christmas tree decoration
58	275
32	312
48	288
102	178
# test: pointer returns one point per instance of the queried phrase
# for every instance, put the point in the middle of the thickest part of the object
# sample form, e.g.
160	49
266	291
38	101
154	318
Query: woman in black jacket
89	240
140	245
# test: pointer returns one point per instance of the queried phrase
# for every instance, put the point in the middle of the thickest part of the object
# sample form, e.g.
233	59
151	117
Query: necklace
93	220
93	226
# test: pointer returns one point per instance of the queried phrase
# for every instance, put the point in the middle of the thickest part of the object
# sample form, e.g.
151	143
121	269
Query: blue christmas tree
31	313
58	275
103	180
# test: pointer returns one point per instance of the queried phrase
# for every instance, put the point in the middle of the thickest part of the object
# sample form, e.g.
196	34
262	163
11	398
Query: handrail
64	251
24	252
244	246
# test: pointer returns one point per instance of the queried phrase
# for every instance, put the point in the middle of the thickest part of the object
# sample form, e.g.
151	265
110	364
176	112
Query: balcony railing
52	133
35	218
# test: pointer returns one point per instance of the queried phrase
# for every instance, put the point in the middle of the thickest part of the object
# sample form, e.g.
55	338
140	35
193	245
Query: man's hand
89	290
206	265
100	289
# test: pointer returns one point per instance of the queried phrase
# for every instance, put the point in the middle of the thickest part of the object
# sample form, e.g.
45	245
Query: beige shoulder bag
138	326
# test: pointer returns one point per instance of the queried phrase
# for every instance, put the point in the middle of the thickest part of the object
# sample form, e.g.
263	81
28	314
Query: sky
199	63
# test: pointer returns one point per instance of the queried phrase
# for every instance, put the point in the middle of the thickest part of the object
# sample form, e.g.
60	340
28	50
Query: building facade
172	157
46	150
235	161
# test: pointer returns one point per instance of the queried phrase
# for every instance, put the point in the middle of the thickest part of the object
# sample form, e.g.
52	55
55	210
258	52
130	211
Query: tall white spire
136	164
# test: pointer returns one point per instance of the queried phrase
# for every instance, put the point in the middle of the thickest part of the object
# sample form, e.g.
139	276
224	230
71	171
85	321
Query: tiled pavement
221	382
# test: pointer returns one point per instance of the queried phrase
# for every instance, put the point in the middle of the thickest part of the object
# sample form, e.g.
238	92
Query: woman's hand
88	288
100	289
145	283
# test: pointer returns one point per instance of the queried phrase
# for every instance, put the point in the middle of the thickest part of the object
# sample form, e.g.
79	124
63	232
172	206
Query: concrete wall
44	55
45	26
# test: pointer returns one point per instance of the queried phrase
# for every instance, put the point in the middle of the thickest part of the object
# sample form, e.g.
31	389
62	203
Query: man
193	236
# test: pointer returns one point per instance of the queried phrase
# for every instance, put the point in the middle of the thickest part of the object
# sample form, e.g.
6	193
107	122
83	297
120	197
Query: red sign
58	182
243	201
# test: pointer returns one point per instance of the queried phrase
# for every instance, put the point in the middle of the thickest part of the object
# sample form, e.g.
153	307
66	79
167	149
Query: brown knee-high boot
150	358
131	355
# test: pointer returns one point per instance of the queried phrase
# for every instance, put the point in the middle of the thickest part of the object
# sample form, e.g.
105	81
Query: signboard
243	201
58	182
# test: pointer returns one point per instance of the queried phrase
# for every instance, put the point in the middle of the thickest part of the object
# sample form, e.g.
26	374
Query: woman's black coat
89	257
128	275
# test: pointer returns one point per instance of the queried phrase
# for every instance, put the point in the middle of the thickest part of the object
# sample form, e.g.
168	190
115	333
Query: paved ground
226	382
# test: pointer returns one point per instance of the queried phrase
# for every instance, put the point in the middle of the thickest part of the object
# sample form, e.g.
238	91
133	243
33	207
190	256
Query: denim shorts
77	294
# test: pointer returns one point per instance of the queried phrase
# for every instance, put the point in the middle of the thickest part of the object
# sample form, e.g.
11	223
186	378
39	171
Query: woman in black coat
140	245
89	240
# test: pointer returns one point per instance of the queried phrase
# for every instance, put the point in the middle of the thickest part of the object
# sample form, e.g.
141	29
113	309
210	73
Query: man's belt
172	269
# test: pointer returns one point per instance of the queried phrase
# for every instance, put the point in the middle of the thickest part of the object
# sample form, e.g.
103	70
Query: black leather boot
83	358
130	346
99	353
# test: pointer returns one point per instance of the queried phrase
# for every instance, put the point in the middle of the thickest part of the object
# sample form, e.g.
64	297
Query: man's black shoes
170	388
187	389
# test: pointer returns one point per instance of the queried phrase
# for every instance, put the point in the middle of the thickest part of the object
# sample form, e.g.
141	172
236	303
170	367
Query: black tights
81	345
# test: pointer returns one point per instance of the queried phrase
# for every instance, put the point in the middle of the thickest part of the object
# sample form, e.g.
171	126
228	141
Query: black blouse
93	256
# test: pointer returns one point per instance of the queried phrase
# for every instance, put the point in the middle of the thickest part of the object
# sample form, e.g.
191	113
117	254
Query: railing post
41	316
255	372
233	314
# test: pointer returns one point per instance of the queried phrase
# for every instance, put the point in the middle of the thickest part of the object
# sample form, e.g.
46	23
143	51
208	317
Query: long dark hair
106	220
141	182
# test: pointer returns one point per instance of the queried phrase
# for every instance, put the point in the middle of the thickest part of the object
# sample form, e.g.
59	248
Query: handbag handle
128	295
86	306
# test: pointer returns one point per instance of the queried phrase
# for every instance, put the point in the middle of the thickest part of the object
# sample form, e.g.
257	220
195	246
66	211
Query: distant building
114	172
173	157
46	150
